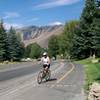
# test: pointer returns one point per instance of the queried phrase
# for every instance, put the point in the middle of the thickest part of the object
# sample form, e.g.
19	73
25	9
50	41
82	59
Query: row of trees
11	48
87	37
62	45
80	39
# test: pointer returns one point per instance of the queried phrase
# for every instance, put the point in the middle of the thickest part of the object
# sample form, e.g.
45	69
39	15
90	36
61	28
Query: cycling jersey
45	61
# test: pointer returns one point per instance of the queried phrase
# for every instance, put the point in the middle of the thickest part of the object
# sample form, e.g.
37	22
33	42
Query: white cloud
55	3
56	23
8	25
11	15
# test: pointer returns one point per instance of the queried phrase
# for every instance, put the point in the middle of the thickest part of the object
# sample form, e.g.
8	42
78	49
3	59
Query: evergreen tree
3	43
95	29
15	47
83	40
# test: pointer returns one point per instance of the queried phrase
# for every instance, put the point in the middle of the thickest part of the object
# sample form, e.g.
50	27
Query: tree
53	46
19	36
3	43
95	27
96	38
27	50
33	51
15	48
83	45
66	39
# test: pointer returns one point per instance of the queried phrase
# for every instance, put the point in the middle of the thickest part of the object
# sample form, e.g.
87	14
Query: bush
33	51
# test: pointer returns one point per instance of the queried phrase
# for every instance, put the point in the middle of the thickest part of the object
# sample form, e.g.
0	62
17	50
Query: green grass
84	61
92	71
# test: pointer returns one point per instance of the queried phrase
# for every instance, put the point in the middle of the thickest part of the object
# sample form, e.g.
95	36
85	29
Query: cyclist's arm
49	60
41	61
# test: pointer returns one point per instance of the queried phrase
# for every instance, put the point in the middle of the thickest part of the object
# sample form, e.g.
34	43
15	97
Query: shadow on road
52	79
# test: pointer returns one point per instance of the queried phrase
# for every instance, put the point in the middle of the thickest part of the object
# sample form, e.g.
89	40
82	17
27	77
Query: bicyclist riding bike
45	61
45	73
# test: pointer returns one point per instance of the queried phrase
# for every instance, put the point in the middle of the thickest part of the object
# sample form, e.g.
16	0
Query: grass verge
92	71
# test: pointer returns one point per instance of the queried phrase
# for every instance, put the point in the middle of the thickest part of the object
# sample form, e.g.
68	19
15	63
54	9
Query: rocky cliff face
32	32
40	35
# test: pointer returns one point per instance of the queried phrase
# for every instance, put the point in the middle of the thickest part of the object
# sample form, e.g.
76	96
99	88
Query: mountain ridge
39	34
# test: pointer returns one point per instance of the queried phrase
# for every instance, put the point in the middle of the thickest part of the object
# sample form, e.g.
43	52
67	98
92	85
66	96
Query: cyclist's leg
48	72
44	68
49	66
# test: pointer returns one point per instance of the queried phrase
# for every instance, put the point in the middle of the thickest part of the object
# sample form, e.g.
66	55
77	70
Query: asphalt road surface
19	82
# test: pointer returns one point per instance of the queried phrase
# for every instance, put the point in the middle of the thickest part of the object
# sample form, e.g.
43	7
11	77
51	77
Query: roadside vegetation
80	39
33	51
92	71
11	48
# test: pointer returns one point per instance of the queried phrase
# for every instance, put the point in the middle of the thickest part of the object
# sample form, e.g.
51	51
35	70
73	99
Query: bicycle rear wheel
48	76
39	78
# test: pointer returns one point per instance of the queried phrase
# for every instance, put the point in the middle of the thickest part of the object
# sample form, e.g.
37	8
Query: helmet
45	54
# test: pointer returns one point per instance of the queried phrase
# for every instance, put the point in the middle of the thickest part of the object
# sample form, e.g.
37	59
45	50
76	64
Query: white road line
12	91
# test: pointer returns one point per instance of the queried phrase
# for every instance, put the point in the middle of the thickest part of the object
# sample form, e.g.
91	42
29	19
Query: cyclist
45	73
45	60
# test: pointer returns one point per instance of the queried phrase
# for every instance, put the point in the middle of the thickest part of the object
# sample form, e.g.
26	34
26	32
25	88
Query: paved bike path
68	86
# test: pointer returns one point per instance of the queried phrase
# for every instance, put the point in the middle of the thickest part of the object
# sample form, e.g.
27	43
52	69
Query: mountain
39	35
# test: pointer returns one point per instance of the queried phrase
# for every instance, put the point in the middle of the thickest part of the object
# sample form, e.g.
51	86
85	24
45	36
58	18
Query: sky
20	13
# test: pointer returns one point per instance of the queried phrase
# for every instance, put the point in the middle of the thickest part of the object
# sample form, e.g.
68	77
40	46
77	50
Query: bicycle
44	74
